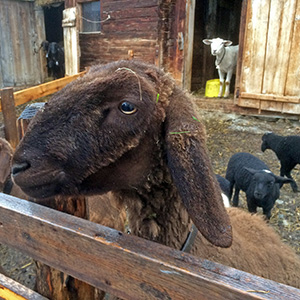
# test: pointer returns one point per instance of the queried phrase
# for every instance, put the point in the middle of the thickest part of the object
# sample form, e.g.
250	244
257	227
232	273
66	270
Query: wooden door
21	33
188	45
176	46
270	72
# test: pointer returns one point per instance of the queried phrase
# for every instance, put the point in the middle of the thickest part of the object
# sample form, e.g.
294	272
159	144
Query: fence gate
270	71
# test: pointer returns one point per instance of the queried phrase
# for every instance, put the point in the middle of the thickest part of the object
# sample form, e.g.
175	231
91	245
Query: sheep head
217	45
265	141
264	182
108	130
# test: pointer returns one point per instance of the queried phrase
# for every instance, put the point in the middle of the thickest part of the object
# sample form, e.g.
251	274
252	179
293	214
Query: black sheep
287	150
224	185
251	175
225	189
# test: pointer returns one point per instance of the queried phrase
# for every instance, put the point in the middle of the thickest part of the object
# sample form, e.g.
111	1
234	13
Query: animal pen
120	264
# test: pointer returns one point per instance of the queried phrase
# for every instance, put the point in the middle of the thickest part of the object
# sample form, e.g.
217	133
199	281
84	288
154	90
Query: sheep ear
227	43
282	180
192	173
207	41
250	170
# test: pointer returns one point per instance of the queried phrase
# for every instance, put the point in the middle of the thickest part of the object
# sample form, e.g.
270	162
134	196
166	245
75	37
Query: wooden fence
123	265
10	99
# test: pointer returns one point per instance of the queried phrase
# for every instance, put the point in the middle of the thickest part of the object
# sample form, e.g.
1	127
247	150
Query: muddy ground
229	133
226	135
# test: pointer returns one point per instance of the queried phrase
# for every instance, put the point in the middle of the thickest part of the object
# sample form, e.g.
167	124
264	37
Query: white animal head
217	45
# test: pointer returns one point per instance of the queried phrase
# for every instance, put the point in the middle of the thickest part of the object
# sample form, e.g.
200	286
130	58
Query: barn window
90	14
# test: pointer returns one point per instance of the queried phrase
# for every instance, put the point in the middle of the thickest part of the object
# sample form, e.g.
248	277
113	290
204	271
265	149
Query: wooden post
9	116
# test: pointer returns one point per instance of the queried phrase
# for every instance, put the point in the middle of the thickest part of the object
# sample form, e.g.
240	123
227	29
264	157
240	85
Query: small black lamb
225	189
251	175
287	150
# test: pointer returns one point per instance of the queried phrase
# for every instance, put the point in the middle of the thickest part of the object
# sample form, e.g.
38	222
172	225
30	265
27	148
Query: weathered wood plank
251	103
127	13
243	23
271	106
270	97
9	116
126	266
254	50
100	49
42	90
71	41
147	24
292	87
128	4
12	290
278	46
291	108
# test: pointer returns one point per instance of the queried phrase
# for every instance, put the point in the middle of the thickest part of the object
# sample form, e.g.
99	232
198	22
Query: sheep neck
156	212
220	61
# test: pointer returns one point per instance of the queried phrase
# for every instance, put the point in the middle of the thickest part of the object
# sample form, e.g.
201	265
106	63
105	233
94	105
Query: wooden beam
44	89
12	290
9	116
269	97
126	266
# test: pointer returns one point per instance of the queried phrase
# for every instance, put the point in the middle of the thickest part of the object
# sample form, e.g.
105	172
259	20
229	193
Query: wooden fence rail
126	266
42	90
10	99
123	265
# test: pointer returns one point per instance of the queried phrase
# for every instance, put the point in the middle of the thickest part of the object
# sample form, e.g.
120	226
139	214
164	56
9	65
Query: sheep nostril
258	195
18	168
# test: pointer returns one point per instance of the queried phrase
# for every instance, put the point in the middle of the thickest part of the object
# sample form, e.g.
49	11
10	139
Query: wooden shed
168	33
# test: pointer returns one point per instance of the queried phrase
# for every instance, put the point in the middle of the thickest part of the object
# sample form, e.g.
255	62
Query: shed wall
131	31
270	72
20	56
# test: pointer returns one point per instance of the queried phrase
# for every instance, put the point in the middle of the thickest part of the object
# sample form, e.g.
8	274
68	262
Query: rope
218	63
96	22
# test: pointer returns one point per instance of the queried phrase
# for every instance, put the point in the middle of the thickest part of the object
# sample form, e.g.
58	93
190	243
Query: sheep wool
109	131
287	150
248	173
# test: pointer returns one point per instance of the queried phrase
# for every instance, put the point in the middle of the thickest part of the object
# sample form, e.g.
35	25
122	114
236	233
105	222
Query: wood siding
20	57
151	30
131	31
270	72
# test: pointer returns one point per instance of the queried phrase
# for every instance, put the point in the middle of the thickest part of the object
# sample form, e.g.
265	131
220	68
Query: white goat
226	60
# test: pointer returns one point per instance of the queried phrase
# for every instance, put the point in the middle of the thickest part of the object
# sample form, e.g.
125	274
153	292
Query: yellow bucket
212	88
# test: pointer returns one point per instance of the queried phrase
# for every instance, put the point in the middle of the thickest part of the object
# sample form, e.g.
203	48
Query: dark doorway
213	18
53	22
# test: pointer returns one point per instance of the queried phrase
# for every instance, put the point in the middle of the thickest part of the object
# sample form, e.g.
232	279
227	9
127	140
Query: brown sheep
125	127
110	214
6	184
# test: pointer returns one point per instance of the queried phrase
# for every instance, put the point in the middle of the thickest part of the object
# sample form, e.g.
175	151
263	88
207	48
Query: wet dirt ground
230	133
226	135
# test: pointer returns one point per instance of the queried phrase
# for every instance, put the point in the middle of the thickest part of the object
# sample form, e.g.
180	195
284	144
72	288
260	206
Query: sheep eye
127	108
